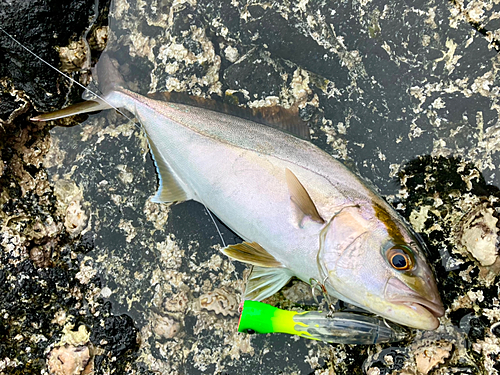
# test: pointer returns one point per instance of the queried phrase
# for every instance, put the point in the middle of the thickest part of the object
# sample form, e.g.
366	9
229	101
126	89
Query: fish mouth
429	307
418	303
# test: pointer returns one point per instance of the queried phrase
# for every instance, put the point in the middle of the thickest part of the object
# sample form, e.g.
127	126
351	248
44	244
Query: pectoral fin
264	282
301	198
252	253
170	189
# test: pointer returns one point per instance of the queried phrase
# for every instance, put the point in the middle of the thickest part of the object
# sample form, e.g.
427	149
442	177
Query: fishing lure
338	328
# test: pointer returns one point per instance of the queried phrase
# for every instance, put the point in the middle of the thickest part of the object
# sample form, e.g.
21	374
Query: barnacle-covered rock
459	215
165	326
479	234
43	215
429	357
70	206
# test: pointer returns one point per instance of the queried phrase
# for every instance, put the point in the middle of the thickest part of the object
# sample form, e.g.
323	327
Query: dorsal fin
300	196
252	253
287	120
107	74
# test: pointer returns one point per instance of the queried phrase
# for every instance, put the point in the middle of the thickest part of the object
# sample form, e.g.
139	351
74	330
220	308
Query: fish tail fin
109	80
108	76
76	109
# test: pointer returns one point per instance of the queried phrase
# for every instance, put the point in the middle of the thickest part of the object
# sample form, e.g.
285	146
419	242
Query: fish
300	212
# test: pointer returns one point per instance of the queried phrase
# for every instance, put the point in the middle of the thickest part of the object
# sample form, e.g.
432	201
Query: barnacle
69	205
176	303
220	301
75	218
40	256
430	356
165	326
479	234
70	360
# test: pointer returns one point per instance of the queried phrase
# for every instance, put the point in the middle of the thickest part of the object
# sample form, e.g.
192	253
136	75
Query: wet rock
32	76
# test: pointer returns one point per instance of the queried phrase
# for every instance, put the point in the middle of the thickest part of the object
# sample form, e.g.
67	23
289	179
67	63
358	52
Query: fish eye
400	258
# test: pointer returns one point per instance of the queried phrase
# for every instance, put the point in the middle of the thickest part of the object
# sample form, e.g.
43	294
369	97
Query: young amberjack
301	212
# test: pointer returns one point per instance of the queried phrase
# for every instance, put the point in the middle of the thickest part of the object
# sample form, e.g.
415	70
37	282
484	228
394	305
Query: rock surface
406	94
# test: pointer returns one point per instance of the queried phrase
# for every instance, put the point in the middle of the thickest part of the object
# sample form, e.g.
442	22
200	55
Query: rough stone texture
406	93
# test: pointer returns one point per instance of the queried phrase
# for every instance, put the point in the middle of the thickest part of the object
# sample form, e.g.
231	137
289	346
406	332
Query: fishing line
216	226
64	74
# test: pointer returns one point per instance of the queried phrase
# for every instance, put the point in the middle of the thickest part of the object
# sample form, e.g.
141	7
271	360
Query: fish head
373	260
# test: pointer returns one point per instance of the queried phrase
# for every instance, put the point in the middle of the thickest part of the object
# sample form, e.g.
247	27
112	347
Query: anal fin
264	282
251	253
170	190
